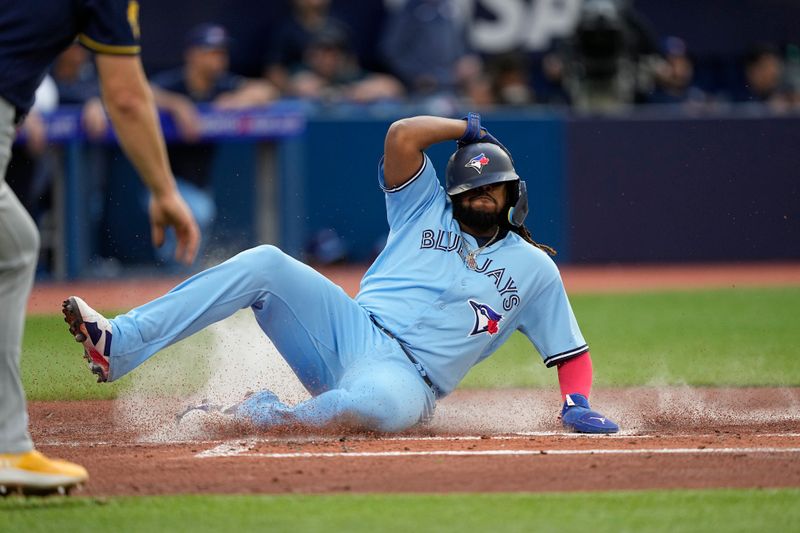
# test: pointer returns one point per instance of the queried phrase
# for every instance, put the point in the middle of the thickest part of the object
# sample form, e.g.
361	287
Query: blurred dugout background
648	131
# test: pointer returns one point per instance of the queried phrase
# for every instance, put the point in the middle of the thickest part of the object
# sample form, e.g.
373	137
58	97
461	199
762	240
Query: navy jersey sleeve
110	26
409	200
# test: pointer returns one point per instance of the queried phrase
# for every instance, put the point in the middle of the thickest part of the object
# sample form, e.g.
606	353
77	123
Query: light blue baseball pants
357	375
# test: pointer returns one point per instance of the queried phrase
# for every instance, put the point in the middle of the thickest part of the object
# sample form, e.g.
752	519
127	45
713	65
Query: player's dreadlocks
523	232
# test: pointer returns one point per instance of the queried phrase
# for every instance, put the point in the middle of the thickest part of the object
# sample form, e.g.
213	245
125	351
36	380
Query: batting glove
477	134
576	415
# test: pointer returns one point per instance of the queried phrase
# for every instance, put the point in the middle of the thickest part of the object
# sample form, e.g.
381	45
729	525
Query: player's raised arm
408	137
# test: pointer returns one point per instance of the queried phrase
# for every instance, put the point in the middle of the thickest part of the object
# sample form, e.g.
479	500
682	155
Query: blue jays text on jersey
421	319
450	317
448	241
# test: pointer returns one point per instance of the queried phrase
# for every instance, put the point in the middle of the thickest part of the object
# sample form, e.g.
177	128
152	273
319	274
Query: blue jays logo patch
486	319
478	162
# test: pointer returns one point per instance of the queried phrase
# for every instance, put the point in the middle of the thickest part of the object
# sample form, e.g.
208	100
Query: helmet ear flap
518	211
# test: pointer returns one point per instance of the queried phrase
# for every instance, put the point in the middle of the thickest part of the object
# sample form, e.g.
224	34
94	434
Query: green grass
53	367
722	337
668	511
734	337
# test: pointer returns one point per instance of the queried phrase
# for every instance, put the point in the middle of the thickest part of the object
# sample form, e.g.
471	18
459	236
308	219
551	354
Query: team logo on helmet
486	319
478	162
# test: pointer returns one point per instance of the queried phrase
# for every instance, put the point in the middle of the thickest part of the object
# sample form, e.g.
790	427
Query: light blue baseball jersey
448	316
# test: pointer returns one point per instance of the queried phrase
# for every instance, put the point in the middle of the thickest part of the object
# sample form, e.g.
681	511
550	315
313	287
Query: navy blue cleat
576	415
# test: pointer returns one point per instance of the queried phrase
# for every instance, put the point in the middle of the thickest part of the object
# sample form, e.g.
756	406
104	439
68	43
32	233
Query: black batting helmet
479	164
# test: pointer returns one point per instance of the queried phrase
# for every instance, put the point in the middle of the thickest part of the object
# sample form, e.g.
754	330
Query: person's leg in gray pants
21	467
19	250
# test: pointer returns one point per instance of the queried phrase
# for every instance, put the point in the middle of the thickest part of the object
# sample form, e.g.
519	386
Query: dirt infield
676	438
507	440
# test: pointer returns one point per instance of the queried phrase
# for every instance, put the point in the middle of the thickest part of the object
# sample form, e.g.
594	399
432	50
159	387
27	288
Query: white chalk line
311	439
433	438
228	451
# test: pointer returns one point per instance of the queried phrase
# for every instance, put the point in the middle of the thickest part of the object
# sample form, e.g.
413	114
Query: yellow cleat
33	473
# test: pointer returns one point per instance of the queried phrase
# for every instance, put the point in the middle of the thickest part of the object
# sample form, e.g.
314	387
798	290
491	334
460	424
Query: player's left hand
476	133
576	415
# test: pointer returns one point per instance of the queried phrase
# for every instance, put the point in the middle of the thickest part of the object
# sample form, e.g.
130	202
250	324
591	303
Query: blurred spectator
551	87
331	73
611	57
31	167
504	81
202	80
287	50
792	73
75	75
763	72
425	46
326	248
478	92
511	79
674	80
29	171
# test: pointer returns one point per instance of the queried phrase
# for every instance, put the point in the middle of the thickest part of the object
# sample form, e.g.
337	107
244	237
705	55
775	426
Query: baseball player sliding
459	274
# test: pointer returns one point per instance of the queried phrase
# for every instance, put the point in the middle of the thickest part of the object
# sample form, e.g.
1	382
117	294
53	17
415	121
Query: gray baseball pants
19	251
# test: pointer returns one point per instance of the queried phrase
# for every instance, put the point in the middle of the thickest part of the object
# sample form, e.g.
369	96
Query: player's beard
478	220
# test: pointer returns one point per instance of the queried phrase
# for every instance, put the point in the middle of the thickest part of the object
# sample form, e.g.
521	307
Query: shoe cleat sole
97	370
19	490
74	320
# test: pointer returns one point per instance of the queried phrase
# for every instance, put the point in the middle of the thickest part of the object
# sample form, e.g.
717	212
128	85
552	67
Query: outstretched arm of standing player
129	102
408	137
